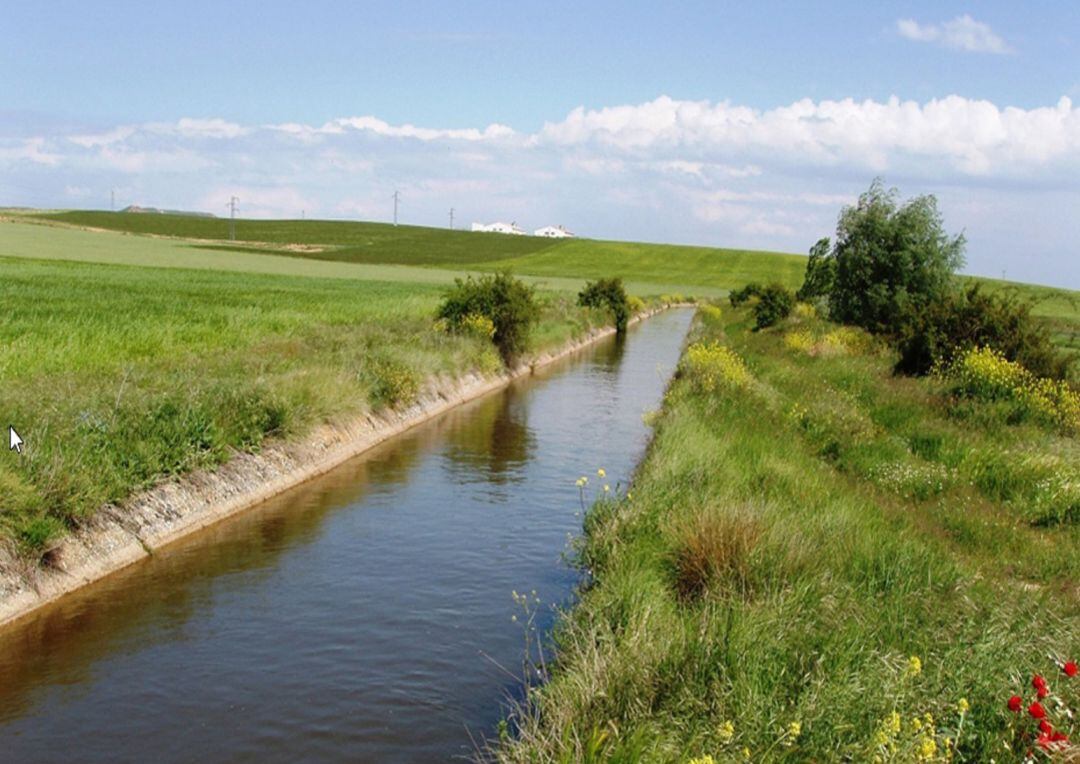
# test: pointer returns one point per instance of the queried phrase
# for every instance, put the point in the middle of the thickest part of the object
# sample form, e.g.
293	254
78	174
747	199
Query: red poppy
1037	681
1037	711
1015	704
1070	669
1042	692
1045	728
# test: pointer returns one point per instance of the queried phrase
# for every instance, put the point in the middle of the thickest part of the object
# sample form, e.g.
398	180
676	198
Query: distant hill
155	211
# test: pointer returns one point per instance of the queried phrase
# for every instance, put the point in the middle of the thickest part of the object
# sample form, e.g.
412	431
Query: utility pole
232	218
451	218
397	198
112	200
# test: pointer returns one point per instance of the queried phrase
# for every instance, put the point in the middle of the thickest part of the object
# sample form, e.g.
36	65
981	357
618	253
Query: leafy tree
744	295
891	259
508	302
820	272
609	294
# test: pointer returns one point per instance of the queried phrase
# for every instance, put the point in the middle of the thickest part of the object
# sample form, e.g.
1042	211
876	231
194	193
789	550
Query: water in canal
364	616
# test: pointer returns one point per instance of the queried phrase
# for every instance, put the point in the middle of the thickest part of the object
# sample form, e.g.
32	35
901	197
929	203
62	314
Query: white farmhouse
511	228
553	232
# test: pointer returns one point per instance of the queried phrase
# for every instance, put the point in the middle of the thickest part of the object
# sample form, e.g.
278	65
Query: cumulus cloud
962	33
666	169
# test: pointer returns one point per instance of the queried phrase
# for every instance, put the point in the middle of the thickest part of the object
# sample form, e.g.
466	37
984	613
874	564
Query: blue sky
712	123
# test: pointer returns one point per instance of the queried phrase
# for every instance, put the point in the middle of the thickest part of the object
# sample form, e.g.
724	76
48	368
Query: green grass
117	376
789	543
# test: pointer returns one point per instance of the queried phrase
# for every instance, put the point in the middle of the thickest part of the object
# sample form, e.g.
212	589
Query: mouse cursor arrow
14	440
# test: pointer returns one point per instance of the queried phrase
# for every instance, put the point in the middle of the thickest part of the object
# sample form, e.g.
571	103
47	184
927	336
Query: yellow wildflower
794	730
600	472
582	481
746	753
927	748
706	759
727	732
963	705
914	667
893	722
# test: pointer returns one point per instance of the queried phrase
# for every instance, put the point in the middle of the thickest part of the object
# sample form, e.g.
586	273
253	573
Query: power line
232	218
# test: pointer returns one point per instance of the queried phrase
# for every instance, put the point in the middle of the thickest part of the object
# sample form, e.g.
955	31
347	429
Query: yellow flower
727	732
746	753
914	667
629	495
706	759
893	723
794	729
606	488
927	748
963	705
582	481
600	472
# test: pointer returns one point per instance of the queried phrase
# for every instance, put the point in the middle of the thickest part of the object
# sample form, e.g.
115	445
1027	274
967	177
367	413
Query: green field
117	375
701	269
804	525
648	268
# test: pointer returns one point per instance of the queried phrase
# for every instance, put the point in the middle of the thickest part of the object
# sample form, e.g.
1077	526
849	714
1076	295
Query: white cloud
690	171
962	33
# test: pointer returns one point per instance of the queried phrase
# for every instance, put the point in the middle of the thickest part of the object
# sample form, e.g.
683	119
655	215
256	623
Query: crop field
119	375
648	268
704	269
819	560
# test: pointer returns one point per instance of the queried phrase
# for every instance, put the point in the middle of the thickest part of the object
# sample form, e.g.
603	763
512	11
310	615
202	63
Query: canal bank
121	536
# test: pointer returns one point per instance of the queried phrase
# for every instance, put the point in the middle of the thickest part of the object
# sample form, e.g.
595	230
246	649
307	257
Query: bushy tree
609	294
820	272
774	302
891	259
508	302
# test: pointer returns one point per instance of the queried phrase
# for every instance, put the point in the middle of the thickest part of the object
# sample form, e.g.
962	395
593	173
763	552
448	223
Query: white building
511	228
553	232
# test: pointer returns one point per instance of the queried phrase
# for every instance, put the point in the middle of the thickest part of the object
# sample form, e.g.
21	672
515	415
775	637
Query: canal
363	616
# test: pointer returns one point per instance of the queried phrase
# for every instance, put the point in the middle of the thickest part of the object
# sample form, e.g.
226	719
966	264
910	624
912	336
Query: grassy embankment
117	376
804	523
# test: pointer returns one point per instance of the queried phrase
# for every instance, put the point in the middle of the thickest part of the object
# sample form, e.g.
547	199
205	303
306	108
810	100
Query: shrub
712	365
711	314
965	319
744	295
774	304
890	260
607	294
986	374
392	383
507	302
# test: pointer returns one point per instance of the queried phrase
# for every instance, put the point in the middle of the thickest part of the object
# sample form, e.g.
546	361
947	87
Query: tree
891	259
610	294
508	302
820	272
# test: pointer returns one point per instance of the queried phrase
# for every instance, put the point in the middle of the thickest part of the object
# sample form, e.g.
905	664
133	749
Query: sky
715	123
